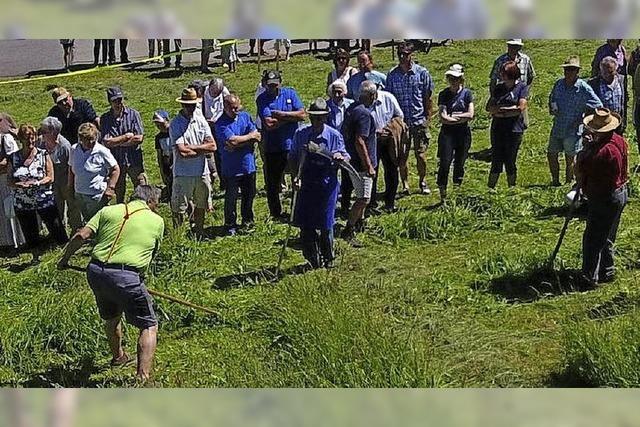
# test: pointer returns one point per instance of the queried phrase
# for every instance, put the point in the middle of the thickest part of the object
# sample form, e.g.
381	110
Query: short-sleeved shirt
113	126
504	97
212	108
359	122
240	161
455	103
141	233
91	169
384	109
82	112
612	95
60	158
572	102
9	145
163	143
527	73
410	89
605	169
317	168
190	131
354	82
279	140
37	197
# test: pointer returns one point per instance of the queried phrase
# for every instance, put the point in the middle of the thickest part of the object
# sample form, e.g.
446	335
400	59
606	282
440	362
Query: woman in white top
10	232
342	70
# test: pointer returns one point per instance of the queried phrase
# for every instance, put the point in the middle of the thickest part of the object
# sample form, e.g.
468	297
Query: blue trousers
247	184
317	246
603	219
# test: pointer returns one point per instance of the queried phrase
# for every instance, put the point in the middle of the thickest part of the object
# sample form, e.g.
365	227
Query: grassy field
453	296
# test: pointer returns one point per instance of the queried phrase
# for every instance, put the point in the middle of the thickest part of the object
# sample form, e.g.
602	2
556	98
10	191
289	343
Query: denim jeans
317	246
247	185
599	236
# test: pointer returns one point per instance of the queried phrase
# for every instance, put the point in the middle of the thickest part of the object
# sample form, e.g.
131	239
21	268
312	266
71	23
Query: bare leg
357	211
421	164
554	168
570	162
113	328
62	408
198	219
147	342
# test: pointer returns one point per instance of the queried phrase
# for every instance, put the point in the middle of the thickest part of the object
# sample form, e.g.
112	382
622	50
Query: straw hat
189	96
602	121
571	62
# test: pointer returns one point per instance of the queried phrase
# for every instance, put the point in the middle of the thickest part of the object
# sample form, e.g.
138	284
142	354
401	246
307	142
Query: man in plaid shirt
514	53
412	86
610	88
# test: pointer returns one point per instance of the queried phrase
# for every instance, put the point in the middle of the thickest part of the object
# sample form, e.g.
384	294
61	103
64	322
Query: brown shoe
121	361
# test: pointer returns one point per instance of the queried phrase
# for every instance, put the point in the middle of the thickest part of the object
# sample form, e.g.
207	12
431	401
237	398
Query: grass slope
447	296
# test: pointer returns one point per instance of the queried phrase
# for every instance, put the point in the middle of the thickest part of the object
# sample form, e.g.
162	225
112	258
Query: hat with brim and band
571	62
602	121
318	107
60	94
515	42
456	70
189	96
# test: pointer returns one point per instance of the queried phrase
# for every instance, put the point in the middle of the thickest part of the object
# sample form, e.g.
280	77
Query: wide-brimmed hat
59	94
318	107
515	42
571	62
189	96
456	70
602	121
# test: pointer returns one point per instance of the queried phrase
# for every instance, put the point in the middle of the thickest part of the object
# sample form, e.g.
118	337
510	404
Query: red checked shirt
604	169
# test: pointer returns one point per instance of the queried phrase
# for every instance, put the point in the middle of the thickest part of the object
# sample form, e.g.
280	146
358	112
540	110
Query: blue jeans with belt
599	236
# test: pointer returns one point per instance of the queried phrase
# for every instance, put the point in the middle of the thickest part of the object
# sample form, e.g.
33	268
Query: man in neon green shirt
126	237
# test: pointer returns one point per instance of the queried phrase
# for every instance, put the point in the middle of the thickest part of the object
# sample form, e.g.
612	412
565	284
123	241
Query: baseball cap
161	116
59	94
273	76
114	92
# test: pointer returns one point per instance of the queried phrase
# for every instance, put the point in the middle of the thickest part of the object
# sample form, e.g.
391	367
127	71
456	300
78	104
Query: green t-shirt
139	236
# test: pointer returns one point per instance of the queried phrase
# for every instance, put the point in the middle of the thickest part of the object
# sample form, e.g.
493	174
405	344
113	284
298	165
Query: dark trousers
346	188
317	246
275	165
453	147
103	44
599	236
166	49
391	179
505	151
29	223
124	55
247	185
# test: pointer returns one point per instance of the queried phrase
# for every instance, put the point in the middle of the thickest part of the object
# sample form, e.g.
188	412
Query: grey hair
146	193
337	83
609	60
368	89
217	83
51	124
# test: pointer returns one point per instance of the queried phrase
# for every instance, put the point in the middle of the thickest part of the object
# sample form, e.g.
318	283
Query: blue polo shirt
354	82
359	122
279	140
240	161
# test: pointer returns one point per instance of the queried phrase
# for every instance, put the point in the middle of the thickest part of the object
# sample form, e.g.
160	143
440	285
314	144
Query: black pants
104	45
391	179
505	151
275	165
29	223
346	188
166	49
453	147
124	55
247	185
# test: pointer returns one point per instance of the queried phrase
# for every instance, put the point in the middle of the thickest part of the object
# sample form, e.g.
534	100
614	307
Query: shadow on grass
482	155
214	232
59	71
532	285
65	376
568	378
252	278
562	211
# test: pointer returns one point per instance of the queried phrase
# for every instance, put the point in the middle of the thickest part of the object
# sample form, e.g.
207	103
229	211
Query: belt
115	266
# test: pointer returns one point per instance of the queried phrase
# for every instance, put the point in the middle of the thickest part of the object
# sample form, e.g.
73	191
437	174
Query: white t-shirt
214	107
9	144
91	169
191	131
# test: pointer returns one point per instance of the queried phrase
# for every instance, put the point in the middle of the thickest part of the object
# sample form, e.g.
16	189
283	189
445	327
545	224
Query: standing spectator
609	86
636	102
213	108
208	46
155	45
412	86
59	150
10	232
67	54
365	72
191	140
342	70
602	173
456	107
164	151
237	134
507	105
385	110
252	47
614	49
359	130
124	55
229	53
280	111
93	172
522	60
570	98
287	48
337	104
71	112
122	133
317	184
30	173
99	44
313	46
166	50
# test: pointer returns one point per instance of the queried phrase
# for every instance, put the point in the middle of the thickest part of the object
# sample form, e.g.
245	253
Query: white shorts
362	185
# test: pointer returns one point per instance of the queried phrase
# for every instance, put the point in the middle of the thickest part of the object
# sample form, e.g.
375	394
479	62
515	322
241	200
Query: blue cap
114	93
160	116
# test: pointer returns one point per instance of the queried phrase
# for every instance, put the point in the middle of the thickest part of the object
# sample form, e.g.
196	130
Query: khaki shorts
190	188
362	186
419	137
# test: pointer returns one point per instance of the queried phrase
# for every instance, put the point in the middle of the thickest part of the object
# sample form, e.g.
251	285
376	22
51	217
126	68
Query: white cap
515	42
456	70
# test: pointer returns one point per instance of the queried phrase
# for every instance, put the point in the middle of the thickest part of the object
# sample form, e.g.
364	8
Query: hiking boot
390	209
424	189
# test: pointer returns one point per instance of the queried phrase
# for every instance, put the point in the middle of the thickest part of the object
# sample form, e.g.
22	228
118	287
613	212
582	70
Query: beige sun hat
602	121
456	70
572	62
189	96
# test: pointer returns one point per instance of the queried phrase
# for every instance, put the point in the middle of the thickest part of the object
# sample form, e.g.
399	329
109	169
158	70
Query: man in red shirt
602	175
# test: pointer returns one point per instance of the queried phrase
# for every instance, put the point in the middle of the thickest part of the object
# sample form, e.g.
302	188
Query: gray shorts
120	291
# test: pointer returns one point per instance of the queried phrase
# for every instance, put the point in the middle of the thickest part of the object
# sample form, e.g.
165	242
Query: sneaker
330	264
404	192
424	189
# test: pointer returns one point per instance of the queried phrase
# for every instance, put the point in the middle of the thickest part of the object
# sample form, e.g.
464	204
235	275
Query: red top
604	169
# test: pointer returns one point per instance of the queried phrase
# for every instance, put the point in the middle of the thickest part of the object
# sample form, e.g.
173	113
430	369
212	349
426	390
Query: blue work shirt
354	82
359	122
240	161
336	113
572	102
112	126
278	140
411	89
